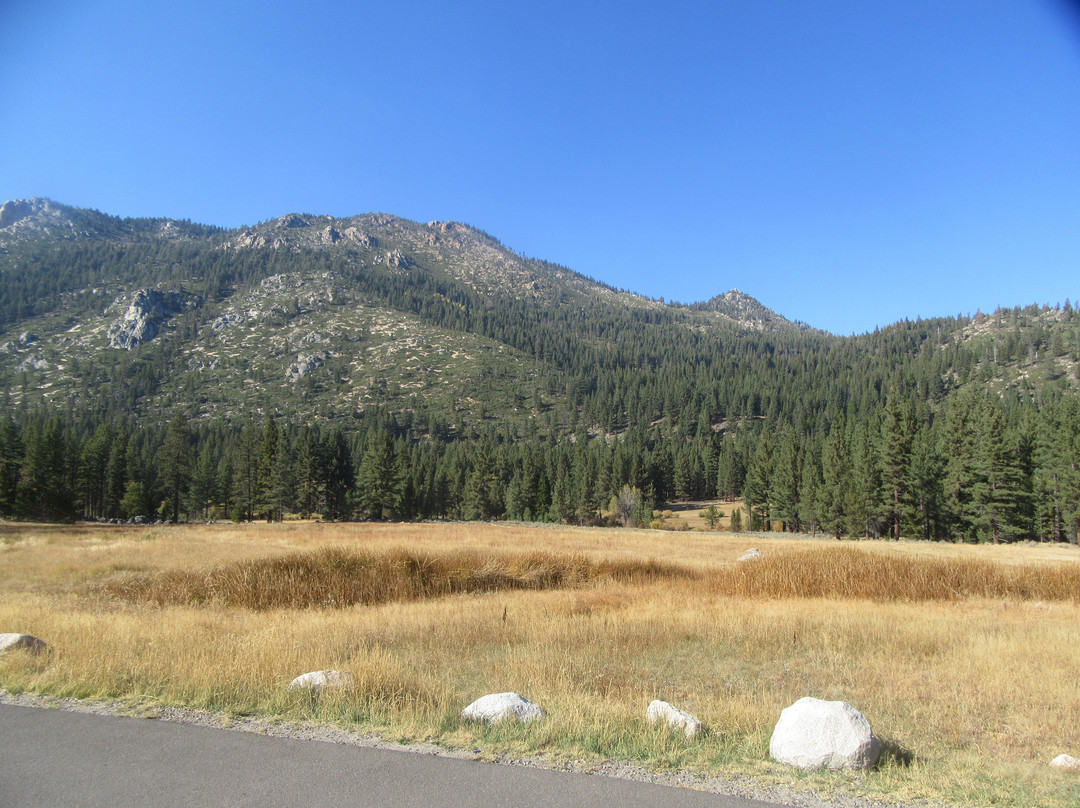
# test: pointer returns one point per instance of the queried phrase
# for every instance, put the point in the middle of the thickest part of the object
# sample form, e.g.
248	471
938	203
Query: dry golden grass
336	578
850	572
981	685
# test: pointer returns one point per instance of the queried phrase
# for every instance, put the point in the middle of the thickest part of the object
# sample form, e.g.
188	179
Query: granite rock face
143	318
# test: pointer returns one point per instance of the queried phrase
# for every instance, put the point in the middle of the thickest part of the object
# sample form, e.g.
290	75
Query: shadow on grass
894	753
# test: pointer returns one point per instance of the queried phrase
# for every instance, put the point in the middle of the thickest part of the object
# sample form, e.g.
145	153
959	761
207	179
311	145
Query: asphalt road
58	759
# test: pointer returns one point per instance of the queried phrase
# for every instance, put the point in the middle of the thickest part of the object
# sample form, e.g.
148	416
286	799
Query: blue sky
848	163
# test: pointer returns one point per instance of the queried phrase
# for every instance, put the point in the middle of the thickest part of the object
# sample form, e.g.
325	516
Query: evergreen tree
995	489
45	488
175	461
306	476
11	460
245	473
756	486
339	476
378	482
834	494
117	473
481	496
784	481
925	484
809	490
204	482
268	462
93	463
896	442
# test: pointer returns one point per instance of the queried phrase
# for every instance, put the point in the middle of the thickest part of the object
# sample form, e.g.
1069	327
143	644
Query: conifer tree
378	482
175	462
896	440
339	475
834	494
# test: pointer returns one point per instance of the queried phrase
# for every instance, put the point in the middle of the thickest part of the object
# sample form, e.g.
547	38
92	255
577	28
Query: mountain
432	360
332	313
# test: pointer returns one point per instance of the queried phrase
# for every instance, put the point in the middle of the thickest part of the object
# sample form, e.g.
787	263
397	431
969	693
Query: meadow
966	659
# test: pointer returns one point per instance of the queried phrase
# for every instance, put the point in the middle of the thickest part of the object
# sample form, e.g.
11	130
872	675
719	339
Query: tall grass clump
338	578
847	572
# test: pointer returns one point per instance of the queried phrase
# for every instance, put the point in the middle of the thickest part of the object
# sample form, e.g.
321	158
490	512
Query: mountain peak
33	214
749	311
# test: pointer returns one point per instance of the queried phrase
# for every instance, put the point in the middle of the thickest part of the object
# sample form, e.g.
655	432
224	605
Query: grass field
966	659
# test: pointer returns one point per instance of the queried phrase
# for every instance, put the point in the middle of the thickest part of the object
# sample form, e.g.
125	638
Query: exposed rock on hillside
304	364
36	217
744	309
142	320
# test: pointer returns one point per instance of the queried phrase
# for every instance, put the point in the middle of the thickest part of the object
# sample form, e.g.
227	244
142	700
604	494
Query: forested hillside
374	367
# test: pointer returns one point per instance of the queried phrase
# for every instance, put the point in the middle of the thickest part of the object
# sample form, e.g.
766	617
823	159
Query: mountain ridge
443	243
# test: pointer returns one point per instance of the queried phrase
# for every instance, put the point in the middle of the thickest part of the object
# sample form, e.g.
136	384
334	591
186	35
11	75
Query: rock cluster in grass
814	734
660	712
317	681
496	707
26	642
1066	762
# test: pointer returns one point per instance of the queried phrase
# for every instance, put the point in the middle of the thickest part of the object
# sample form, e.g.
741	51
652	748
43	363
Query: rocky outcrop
660	712
360	238
33	363
815	734
496	707
14	210
142	320
304	364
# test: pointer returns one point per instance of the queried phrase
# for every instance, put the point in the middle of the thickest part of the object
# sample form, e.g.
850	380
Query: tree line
976	469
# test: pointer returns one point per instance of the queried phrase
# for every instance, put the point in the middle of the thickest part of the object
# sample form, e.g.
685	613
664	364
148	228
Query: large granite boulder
814	734
496	707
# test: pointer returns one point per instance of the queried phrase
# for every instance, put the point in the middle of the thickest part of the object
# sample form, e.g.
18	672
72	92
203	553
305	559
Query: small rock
662	712
1066	762
812	734
26	642
496	707
750	554
317	681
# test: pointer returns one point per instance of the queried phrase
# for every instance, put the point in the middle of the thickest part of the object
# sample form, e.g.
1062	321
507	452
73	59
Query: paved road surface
58	759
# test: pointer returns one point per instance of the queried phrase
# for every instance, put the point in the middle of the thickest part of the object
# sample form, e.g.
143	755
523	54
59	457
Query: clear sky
849	163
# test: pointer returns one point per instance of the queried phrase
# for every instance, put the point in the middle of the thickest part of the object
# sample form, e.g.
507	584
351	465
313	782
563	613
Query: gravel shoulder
745	788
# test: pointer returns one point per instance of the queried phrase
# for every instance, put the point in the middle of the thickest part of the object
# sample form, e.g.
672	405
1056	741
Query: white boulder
1066	762
660	712
11	642
812	734
317	681
496	707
